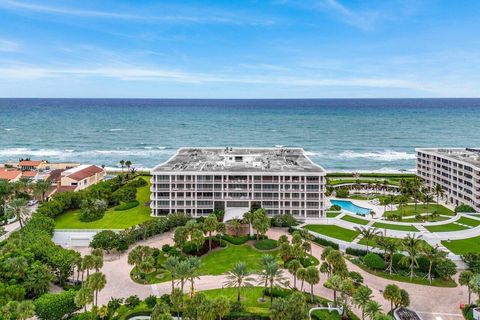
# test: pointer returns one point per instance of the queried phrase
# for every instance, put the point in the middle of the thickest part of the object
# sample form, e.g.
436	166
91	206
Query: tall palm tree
194	266
128	163
368	234
312	277
96	282
183	273
334	283
236	226
438	192
272	274
293	266
210	225
412	245
41	187
122	164
361	297
390	245
18	207
433	255
239	277
171	266
464	280
427	198
265	260
301	275
392	294
372	308
83	297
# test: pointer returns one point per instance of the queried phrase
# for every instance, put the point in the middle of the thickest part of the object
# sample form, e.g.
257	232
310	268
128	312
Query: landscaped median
463	246
355	220
392	226
333	231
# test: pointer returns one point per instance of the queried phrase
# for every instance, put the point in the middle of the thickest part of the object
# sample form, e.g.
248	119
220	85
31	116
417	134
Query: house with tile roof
10	175
82	177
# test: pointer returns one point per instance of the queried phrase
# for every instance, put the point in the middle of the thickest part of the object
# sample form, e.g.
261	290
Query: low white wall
74	238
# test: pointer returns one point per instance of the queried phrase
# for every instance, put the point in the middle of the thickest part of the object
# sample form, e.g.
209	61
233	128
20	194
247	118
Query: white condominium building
456	170
200	180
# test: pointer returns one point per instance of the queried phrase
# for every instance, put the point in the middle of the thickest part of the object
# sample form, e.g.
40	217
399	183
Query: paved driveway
432	302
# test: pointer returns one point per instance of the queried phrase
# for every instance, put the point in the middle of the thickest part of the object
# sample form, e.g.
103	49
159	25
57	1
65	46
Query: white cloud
9	46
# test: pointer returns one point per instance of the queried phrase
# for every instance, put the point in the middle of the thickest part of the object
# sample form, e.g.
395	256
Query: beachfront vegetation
113	218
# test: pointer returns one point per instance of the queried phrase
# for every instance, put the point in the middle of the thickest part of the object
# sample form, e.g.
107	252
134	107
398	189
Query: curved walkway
434	303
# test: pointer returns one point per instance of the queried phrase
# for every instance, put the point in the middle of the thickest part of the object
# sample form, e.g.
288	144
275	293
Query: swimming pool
351	207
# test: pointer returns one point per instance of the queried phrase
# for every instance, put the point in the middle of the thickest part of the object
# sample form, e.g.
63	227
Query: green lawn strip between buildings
468	221
356	220
409	210
333	231
112	219
446	227
398	227
463	246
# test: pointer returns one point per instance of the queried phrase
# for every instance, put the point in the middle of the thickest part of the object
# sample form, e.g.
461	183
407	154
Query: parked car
32	202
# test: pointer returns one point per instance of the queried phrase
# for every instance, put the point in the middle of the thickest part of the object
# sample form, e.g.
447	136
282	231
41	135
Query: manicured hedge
356	252
266	244
127	205
374	261
326	243
235	240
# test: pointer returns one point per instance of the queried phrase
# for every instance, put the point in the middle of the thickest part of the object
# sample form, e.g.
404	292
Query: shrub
326	243
151	301
55	306
341	192
335	207
237	307
374	261
472	260
167	248
356	277
105	239
283	220
127	205
464	208
277	292
266	244
137	183
356	252
309	261
132	301
445	269
125	194
92	209
235	240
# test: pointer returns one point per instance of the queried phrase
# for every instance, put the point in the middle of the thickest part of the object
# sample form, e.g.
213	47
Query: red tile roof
9	174
85	173
55	175
65	189
30	163
29	174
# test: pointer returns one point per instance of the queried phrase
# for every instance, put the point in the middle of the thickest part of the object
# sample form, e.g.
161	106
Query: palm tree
171	266
183	272
194	266
433	255
210	225
334	283
122	164
96	282
464	280
142	258
265	260
83	297
392	294
41	187
248	218
368	234
272	274
301	275
372	308
391	247
412	245
238	277
361	297
18	207
312	277
402	200
38	279
236	226
438	192
128	163
427	198
293	267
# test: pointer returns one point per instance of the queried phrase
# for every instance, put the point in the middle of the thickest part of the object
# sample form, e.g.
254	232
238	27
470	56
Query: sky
239	49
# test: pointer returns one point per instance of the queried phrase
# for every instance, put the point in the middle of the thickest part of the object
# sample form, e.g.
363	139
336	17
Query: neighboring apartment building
200	180
81	177
456	170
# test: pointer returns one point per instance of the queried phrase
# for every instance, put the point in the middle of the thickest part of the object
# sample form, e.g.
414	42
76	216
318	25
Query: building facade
456	170
81	177
198	181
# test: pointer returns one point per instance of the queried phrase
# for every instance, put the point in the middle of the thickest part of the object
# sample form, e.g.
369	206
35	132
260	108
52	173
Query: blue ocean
339	134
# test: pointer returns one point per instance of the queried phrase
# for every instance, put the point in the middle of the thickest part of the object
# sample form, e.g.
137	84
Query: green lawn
250	297
332	214
446	227
435	219
112	219
333	231
326	315
356	220
399	227
222	260
468	221
409	210
463	246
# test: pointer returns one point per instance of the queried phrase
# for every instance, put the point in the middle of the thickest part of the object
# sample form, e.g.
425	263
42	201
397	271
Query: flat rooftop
239	160
469	155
